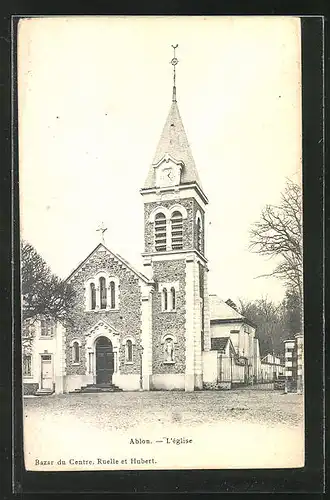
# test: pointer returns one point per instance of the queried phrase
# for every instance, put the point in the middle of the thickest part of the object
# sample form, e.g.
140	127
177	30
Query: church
152	330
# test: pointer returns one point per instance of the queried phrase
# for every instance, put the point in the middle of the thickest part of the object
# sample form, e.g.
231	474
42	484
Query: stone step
44	392
100	385
92	388
100	389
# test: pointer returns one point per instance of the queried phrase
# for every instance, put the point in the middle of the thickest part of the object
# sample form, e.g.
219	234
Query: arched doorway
104	361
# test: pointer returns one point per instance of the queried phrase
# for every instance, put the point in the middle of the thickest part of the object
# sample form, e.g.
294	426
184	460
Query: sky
93	95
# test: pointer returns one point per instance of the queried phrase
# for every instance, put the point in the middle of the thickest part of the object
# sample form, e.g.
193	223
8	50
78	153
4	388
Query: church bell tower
174	257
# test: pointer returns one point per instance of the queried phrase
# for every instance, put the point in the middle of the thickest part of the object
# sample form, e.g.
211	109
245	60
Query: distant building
300	361
294	363
271	367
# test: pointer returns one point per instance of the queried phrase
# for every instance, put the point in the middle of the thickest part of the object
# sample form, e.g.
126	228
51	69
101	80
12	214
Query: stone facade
189	323
169	322
126	319
187	226
190	236
30	388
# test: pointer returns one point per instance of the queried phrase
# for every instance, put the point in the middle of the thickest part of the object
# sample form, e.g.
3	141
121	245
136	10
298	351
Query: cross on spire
102	230
174	62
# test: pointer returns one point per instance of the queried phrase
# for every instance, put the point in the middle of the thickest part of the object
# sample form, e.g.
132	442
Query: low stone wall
30	388
217	386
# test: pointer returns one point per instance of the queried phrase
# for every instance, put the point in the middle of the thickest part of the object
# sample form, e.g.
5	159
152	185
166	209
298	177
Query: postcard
160	172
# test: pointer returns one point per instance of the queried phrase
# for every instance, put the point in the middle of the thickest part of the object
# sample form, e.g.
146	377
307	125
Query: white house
271	367
234	355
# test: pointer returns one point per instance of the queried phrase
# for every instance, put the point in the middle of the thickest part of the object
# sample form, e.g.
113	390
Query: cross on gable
102	230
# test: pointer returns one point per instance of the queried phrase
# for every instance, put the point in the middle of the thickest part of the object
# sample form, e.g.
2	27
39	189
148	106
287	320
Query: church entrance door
104	361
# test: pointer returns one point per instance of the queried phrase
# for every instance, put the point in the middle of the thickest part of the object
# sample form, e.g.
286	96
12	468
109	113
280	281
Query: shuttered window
27	365
176	231
199	235
160	232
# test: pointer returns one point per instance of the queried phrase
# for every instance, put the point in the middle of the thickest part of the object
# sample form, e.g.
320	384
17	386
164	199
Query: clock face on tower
169	174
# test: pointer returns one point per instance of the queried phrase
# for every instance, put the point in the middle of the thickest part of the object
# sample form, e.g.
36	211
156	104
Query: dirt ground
207	429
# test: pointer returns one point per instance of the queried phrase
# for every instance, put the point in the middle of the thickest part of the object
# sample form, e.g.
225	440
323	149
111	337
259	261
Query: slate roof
174	142
219	343
220	310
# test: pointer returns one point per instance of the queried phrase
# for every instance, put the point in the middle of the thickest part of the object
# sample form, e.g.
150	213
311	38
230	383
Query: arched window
173	297
112	295
129	351
103	293
92	295
75	352
199	234
176	230
160	232
165	299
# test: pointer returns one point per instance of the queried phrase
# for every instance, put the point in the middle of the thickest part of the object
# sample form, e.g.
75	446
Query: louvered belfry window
160	232
176	231
199	235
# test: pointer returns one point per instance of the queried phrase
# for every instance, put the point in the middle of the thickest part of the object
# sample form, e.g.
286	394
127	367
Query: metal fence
238	373
231	370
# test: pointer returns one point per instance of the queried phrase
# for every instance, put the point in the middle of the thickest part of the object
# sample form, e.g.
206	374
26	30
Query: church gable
108	293
101	258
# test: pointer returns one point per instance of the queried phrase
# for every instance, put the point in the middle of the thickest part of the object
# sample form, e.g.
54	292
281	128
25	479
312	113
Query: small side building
43	357
234	357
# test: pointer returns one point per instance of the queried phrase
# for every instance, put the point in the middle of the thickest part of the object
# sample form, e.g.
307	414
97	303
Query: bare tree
43	293
269	319
279	234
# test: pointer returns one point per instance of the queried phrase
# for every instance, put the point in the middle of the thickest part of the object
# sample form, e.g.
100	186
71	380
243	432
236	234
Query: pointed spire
174	62
173	141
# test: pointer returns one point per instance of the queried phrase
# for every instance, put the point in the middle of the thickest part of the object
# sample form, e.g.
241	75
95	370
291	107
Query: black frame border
311	477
